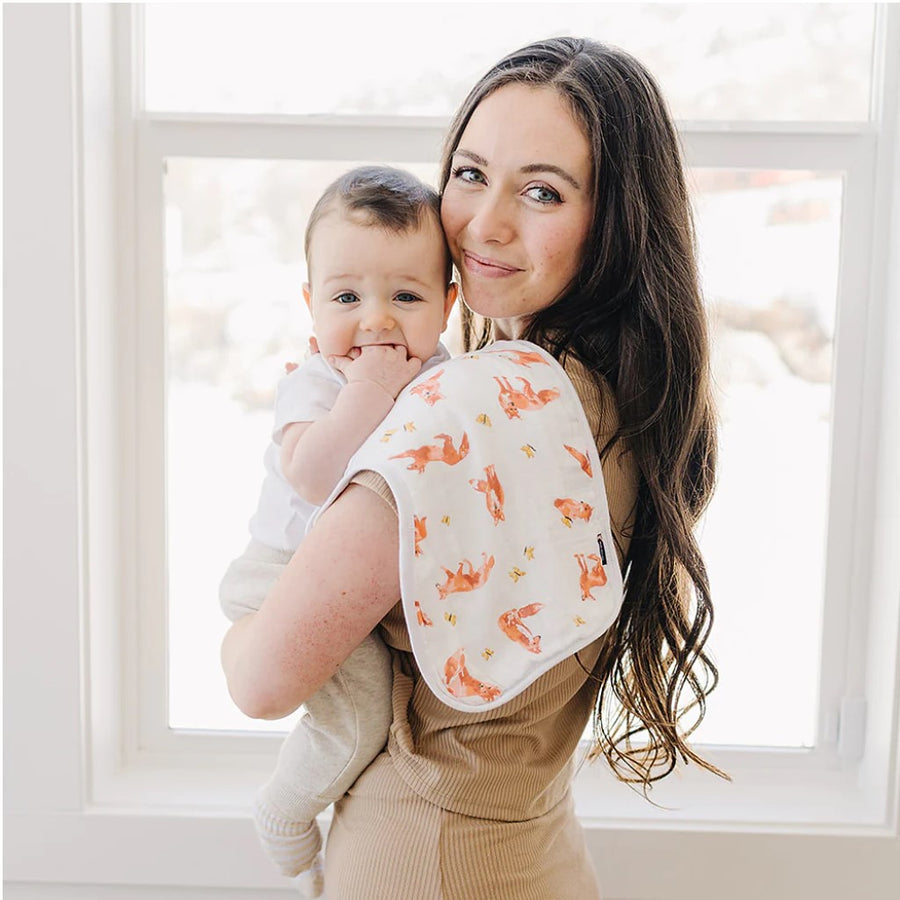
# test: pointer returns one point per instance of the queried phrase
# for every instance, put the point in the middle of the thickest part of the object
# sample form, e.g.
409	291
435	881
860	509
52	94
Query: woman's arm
339	584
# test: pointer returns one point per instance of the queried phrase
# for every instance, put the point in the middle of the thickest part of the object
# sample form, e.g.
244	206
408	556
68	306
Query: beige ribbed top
514	762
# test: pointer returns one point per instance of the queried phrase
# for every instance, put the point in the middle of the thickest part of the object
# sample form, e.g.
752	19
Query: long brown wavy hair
634	316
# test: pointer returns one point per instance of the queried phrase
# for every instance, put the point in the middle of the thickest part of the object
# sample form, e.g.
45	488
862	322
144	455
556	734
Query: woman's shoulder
620	472
596	395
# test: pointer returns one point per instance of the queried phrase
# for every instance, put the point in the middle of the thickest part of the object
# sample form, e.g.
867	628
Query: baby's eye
543	194
406	297
469	174
346	297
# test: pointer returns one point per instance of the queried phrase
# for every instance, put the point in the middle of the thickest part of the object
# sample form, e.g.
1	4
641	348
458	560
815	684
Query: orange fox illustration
421	617
421	532
515	629
460	683
430	389
493	493
461	581
445	453
512	400
573	509
591	576
583	461
525	358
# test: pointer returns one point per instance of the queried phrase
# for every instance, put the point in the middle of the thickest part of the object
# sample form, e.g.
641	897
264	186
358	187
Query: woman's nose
492	220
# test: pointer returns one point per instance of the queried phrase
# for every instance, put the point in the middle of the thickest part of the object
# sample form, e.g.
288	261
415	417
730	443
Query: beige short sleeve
374	482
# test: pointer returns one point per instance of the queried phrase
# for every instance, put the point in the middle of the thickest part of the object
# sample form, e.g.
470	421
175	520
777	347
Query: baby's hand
387	366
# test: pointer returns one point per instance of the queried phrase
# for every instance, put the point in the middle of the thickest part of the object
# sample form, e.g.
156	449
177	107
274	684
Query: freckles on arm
339	584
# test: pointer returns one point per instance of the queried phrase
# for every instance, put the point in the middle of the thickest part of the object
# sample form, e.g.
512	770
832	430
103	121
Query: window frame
846	147
850	148
132	778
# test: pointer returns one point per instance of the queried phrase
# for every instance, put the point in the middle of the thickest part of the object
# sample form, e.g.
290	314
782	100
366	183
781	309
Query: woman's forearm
339	584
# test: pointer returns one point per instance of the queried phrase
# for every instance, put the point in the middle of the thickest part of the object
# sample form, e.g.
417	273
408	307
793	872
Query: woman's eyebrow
534	168
474	157
530	169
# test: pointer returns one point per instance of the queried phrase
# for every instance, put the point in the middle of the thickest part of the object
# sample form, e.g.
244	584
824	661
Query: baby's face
372	286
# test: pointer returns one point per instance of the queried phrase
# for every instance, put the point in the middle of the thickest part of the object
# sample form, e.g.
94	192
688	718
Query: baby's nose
377	320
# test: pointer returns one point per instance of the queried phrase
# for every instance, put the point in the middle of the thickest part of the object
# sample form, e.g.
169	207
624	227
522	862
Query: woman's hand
339	584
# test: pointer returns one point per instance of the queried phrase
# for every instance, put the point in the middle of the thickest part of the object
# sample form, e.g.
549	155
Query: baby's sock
311	883
293	846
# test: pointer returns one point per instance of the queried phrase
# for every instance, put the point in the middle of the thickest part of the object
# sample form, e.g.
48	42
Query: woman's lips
489	268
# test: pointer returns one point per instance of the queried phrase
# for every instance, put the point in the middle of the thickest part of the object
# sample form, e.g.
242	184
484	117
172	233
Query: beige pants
346	721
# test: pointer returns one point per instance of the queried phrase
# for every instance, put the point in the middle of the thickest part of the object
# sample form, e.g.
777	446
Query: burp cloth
507	561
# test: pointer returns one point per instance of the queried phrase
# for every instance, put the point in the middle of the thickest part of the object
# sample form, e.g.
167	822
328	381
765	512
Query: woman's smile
489	268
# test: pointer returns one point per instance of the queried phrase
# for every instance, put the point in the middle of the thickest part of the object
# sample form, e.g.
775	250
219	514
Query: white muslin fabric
507	562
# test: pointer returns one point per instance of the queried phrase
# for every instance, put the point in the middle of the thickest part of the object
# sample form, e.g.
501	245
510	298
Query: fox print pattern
445	453
470	499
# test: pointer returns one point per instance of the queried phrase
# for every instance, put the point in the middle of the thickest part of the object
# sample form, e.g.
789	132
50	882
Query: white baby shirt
304	395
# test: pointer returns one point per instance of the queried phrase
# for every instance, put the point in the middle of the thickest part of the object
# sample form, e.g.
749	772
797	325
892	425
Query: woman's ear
449	300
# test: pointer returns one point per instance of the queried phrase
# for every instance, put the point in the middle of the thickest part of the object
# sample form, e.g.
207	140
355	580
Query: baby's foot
292	846
311	883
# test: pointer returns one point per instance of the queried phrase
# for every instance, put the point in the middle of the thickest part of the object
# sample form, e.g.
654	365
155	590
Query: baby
379	294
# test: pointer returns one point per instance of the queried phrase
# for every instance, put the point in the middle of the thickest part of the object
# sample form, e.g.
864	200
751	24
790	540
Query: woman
566	213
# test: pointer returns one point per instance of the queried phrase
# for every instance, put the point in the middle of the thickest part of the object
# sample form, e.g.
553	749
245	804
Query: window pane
771	61
769	246
235	315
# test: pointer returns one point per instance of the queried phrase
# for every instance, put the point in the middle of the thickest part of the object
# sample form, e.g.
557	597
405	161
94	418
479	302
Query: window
770	244
780	195
174	288
270	60
769	228
775	206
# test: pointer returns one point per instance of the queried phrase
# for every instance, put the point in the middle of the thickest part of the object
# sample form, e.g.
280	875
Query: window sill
105	847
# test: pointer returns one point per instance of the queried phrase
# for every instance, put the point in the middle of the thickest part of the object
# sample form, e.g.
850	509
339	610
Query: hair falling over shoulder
635	317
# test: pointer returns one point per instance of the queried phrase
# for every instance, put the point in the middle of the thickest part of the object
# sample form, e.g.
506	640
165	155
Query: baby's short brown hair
386	197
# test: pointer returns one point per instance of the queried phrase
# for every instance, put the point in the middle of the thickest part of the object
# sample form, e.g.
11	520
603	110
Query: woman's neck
510	329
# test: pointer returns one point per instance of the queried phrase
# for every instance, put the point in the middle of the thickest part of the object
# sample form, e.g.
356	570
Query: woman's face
518	205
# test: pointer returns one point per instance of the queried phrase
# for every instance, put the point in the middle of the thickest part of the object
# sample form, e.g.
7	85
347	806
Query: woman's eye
346	297
469	174
406	297
543	194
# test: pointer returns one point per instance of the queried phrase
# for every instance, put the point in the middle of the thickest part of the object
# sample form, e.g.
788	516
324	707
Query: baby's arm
315	454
